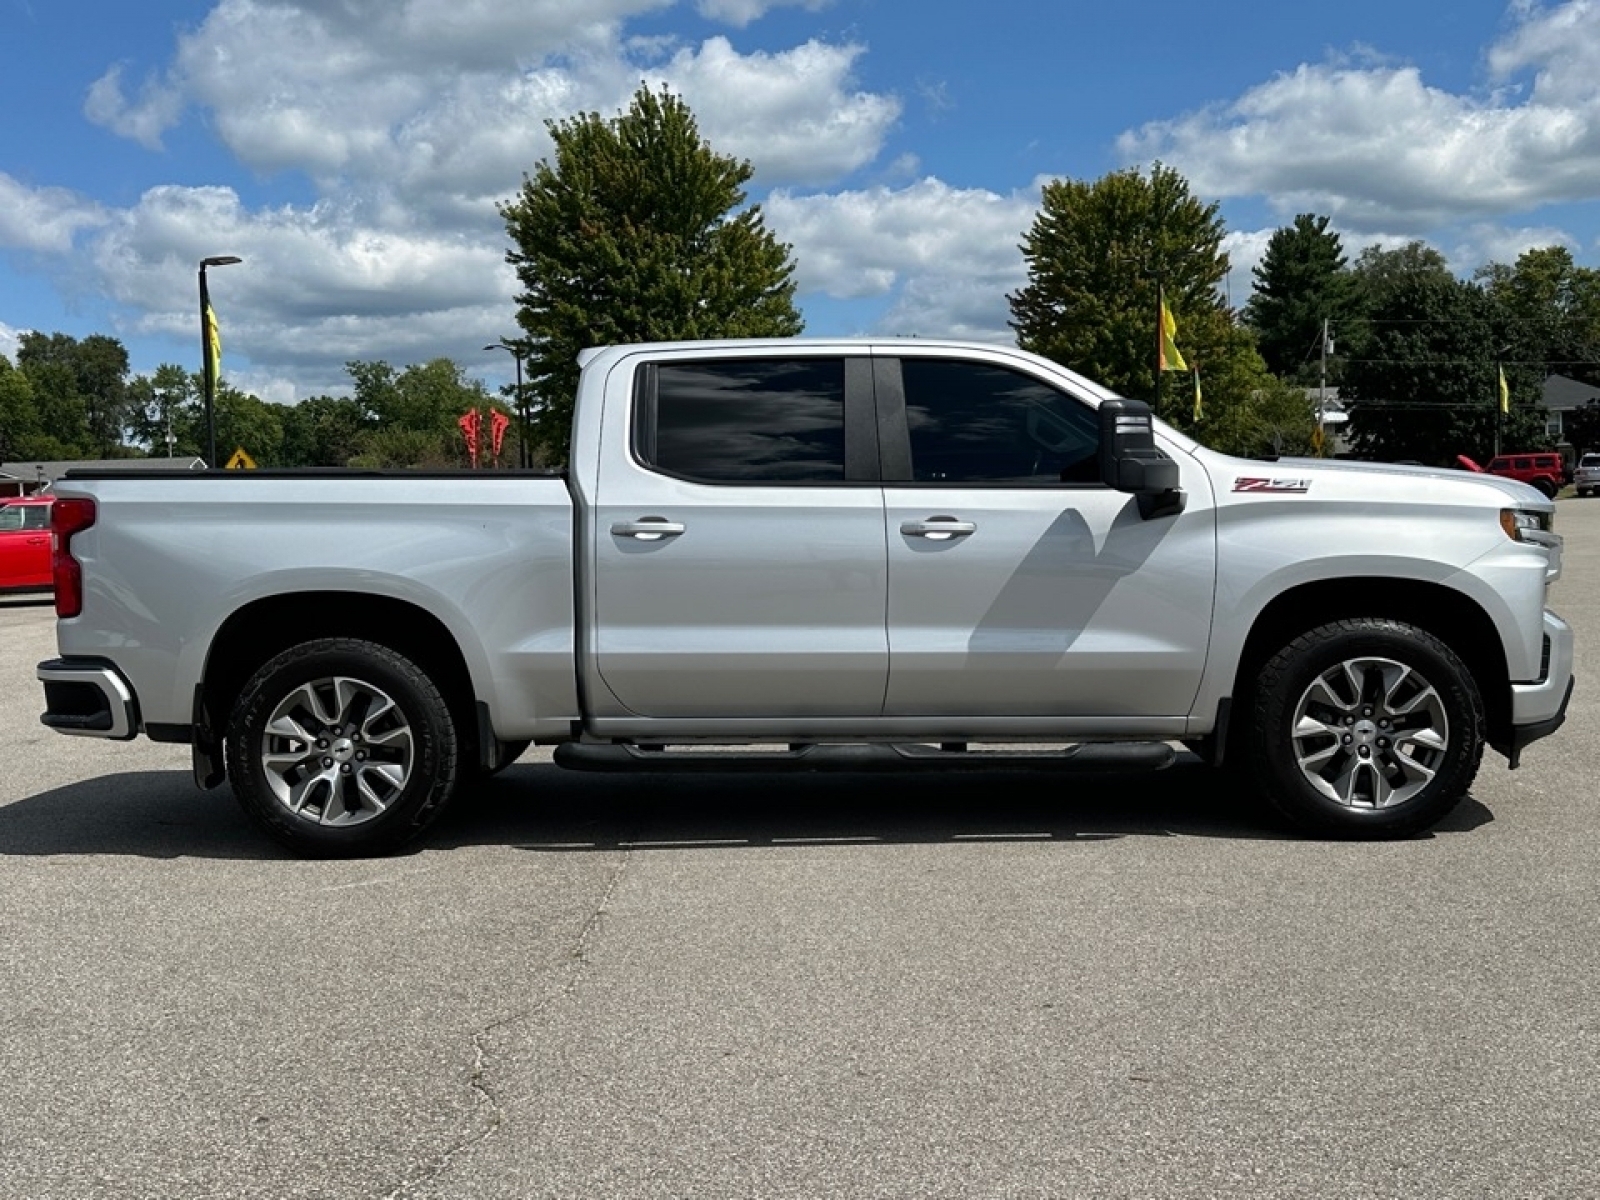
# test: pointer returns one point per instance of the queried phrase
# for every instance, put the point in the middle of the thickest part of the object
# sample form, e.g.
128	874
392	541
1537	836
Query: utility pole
1322	393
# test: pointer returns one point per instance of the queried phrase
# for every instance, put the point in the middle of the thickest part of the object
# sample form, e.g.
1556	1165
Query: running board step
1083	757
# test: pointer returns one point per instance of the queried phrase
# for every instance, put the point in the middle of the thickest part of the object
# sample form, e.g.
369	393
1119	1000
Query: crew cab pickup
817	554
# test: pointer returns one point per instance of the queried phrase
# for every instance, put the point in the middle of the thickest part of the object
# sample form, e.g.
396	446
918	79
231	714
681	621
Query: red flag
469	422
497	430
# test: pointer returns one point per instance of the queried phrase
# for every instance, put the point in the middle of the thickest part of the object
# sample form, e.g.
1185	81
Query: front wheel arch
1452	617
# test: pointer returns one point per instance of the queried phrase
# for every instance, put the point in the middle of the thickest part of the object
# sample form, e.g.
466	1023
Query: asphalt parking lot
1001	986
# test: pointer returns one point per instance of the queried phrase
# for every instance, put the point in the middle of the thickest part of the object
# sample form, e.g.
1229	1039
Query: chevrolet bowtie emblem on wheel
1255	483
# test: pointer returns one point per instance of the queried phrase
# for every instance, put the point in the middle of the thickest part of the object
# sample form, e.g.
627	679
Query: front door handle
938	529
647	529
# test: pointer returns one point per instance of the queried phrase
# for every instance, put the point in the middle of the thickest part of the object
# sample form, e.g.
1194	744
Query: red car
25	545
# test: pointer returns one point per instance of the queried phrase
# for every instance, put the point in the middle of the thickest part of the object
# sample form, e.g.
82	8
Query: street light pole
524	451
208	353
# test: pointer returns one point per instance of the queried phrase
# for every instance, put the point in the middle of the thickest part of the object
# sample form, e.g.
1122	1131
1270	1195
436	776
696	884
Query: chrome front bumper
1539	708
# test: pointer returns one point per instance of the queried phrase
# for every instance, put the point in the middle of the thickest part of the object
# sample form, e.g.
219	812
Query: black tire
1548	488
377	762
1374	685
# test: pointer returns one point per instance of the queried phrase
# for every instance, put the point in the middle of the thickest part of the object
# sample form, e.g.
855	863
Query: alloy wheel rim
1370	733
337	751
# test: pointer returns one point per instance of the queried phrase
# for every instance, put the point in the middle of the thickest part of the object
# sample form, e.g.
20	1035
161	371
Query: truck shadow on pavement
539	807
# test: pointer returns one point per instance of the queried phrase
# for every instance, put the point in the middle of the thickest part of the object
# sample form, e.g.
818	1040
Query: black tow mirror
1130	461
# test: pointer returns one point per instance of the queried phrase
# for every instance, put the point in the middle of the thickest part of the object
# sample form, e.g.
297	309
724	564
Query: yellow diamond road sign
241	459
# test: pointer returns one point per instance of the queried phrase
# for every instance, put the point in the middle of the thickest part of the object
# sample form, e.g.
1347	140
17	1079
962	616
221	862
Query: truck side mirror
1130	461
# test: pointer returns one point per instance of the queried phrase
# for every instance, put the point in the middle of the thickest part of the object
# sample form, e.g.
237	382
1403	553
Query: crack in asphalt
477	1078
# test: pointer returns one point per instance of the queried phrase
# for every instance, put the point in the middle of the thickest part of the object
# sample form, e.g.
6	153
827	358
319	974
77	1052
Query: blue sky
352	152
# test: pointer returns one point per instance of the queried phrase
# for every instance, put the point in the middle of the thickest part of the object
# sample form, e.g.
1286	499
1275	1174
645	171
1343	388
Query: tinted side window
975	423
36	516
746	420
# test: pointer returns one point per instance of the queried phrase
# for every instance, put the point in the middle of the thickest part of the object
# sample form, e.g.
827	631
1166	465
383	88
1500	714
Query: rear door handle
647	529
938	529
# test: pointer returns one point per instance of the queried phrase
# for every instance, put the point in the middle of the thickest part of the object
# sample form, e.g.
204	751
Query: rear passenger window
976	423
747	420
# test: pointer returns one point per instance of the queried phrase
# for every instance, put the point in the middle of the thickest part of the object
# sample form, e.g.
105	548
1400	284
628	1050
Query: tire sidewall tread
1286	675
434	770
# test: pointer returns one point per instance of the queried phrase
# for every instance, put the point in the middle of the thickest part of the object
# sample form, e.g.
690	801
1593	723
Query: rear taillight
67	517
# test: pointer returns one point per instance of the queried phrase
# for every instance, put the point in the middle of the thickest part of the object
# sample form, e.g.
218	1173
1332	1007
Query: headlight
1521	525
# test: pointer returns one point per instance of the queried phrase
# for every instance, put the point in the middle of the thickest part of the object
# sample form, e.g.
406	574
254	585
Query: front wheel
1365	728
342	747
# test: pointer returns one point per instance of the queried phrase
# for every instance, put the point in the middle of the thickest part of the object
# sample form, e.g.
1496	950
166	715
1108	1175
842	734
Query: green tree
157	407
1550	310
1302	285
322	431
636	232
245	422
80	388
19	420
1097	255
1422	382
423	402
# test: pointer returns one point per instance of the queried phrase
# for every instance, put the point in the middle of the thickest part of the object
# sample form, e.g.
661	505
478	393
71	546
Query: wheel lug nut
1364	752
1383	743
322	743
361	756
345	769
1367	712
1347	739
327	762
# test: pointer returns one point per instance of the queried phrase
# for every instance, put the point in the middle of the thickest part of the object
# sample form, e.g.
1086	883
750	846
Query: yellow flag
1169	358
213	343
1505	393
1198	406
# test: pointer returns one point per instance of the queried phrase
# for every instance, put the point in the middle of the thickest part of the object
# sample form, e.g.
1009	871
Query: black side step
1082	758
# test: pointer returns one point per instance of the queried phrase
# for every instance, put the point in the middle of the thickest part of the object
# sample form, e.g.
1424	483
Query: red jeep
1546	470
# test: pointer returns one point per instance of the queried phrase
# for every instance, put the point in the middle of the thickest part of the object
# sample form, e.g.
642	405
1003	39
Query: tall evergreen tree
636	232
1302	285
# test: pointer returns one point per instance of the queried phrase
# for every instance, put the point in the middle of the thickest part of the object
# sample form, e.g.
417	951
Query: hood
1389	480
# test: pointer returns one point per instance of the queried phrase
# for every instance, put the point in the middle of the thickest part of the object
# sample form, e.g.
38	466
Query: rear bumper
86	697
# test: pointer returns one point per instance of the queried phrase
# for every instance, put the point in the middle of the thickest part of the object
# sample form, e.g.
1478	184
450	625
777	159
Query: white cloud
45	220
317	286
947	257
411	119
1375	147
9	338
742	12
157	110
792	114
1481	244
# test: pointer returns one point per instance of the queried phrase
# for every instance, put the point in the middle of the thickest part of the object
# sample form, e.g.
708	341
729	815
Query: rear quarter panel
169	560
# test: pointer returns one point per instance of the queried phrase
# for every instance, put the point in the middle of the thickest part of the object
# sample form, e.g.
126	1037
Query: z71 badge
1253	483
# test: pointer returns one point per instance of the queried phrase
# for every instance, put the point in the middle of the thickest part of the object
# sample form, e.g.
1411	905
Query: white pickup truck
842	554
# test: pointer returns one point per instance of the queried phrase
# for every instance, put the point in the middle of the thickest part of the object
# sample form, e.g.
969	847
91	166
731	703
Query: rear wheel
1365	728
341	747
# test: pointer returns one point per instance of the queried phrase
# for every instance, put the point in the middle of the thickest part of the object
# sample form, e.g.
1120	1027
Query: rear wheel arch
259	631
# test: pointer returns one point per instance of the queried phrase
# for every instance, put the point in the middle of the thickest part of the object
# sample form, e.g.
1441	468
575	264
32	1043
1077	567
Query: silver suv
1586	478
